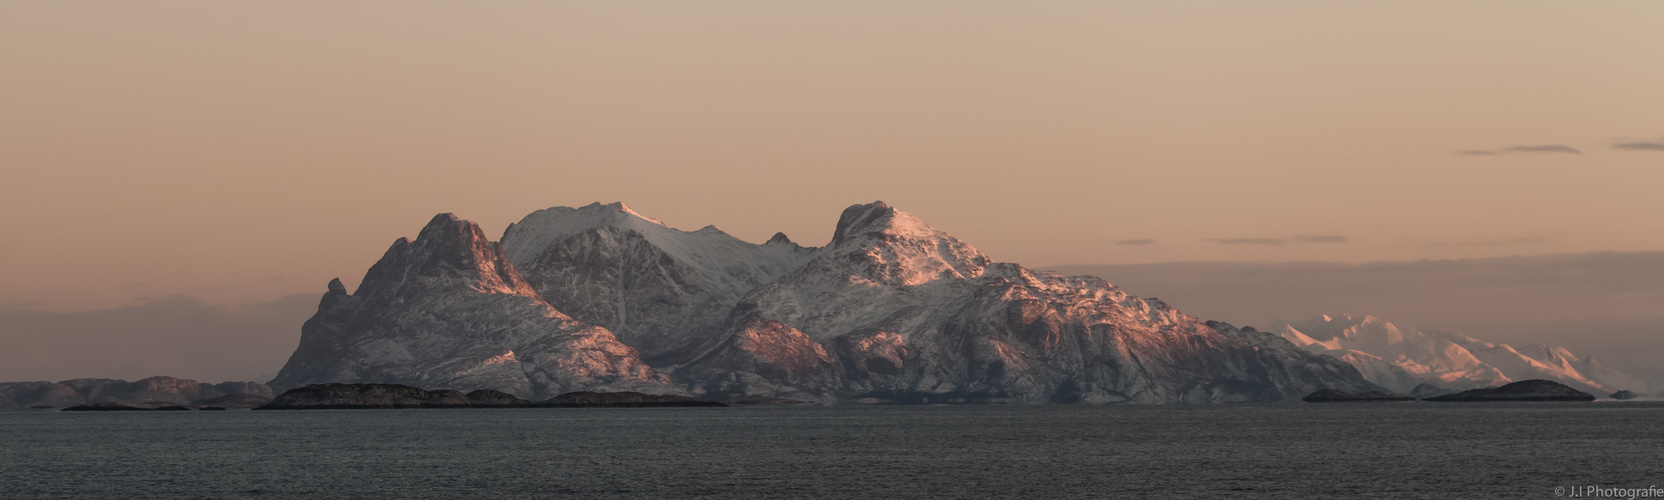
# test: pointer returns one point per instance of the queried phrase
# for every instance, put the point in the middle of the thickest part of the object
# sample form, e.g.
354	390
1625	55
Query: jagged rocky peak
894	247
447	249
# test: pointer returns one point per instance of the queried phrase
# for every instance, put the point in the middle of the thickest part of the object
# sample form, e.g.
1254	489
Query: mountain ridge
890	309
1402	358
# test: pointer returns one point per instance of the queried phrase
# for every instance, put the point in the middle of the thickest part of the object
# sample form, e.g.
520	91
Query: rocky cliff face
890	309
21	395
448	310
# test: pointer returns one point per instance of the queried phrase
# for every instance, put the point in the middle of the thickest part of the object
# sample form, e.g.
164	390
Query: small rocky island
231	402
1335	396
394	396
1624	395
1524	390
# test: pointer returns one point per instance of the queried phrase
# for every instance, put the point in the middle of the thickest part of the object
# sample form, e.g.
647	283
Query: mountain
21	395
448	310
658	289
604	298
895	309
1401	359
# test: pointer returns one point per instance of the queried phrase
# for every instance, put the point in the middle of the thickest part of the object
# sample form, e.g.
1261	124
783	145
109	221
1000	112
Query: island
394	396
238	401
1335	396
125	406
1524	390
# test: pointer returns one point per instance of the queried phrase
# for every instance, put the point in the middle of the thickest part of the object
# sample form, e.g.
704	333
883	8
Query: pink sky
241	152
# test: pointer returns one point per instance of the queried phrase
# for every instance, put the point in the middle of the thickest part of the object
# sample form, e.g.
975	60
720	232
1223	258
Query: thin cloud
1139	242
1657	145
1527	240
1544	148
1535	148
1248	241
1302	238
1321	238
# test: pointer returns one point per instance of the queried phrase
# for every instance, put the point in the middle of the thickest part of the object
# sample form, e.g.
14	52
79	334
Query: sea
1384	450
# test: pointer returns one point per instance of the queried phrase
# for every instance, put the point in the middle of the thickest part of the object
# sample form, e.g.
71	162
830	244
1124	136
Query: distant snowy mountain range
891	309
1400	358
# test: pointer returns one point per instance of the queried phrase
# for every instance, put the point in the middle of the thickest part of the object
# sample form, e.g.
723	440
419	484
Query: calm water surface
1409	450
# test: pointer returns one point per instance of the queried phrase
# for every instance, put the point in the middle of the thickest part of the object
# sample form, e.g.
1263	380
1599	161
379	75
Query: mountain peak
537	231
893	246
879	218
448	248
861	218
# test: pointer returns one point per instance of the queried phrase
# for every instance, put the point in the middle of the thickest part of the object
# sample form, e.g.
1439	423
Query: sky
235	154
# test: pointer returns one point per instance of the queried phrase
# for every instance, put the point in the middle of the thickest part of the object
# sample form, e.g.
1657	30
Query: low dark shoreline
395	397
1522	391
697	404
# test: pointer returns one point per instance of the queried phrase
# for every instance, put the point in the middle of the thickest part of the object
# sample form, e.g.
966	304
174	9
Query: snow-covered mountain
449	311
1401	359
895	309
891	309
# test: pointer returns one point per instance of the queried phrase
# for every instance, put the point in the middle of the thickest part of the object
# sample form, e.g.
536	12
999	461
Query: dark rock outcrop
487	398
1524	390
239	401
624	400
1624	395
364	397
210	408
1334	396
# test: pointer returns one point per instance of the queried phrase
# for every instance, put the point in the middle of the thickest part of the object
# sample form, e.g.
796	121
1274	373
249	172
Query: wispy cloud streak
1657	145
1532	148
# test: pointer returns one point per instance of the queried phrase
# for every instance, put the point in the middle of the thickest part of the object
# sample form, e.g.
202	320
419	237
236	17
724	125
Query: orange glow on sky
235	151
